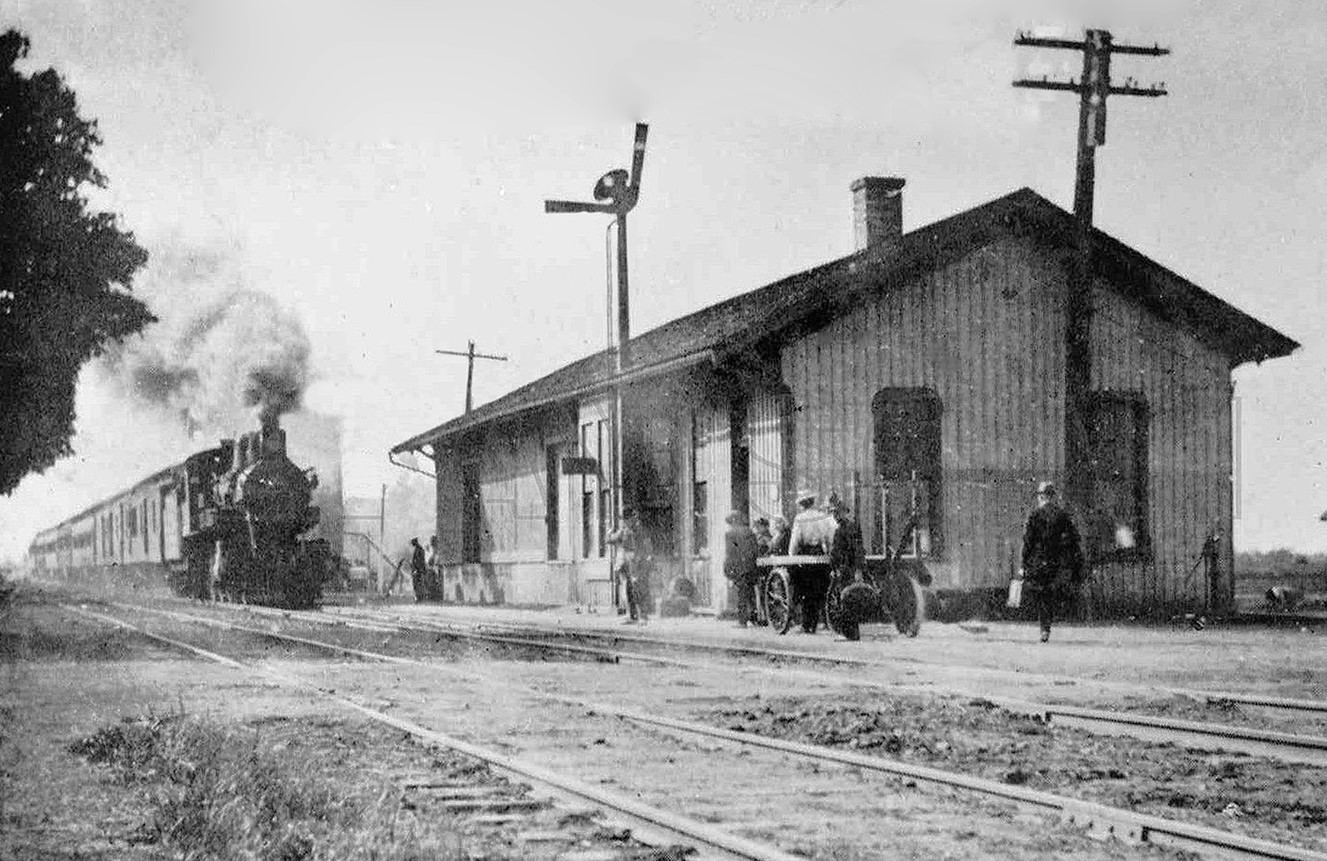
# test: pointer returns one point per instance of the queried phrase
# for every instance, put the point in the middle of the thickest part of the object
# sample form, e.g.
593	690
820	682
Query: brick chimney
877	211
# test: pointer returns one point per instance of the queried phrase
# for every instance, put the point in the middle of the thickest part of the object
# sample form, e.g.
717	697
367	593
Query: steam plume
219	350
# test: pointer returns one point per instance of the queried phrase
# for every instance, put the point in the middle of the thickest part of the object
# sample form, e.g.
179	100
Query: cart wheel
909	605
834	604
857	602
778	600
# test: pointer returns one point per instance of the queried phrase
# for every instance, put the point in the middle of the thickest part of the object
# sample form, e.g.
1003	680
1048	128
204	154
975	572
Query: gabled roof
734	324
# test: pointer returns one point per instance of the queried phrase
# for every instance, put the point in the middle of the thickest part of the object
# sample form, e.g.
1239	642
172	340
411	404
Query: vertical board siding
450	505
986	334
766	414
1187	387
975	331
512	494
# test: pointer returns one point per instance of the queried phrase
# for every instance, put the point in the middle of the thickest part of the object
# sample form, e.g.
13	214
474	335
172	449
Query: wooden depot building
925	372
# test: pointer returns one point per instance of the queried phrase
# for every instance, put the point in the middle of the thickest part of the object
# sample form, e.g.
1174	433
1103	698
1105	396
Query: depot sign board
580	466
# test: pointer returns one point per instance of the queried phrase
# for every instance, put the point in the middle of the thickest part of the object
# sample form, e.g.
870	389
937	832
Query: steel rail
1287	746
1272	737
401	625
730	845
735	648
1094	816
1274	702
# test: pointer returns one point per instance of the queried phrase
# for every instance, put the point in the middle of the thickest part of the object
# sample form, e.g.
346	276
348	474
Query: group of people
1052	569
1052	557
828	529
424	569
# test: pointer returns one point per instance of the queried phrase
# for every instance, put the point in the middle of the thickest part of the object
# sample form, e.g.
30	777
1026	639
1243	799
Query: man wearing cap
812	534
739	565
1052	555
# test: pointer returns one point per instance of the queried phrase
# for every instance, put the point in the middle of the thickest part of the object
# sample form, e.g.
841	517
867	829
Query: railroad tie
491	805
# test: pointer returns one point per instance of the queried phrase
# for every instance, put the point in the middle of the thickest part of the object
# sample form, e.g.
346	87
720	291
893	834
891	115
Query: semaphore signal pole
1093	88
616	194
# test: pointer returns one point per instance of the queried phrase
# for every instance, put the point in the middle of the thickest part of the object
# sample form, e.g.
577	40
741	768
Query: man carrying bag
1052	556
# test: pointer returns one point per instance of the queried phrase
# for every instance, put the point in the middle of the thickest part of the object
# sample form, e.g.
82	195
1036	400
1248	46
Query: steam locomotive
226	524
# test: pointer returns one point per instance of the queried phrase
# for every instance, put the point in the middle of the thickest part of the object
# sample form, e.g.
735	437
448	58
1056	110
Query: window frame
933	546
1100	542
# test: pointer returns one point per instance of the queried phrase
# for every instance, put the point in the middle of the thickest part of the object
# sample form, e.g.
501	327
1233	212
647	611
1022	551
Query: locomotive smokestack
274	438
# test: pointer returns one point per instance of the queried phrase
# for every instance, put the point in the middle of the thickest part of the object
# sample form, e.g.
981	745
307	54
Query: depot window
1118	466
907	458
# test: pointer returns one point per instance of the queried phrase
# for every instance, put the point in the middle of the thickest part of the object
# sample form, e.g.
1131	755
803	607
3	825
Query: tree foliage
65	269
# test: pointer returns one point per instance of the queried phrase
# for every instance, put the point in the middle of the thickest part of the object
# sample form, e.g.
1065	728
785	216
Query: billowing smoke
219	351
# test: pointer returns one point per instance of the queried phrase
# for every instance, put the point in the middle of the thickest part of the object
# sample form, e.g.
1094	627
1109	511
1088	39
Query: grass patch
220	792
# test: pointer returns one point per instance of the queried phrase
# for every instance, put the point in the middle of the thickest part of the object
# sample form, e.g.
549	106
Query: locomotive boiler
252	504
227	523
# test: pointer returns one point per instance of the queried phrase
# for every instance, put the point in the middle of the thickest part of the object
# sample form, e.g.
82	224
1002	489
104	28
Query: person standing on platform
847	551
418	570
739	565
1052	556
633	544
434	577
760	528
812	534
778	536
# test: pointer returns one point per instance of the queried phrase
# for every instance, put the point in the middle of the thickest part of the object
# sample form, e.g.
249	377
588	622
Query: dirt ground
68	680
69	677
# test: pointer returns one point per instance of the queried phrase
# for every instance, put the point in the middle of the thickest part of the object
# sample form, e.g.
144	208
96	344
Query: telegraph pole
1093	88
471	355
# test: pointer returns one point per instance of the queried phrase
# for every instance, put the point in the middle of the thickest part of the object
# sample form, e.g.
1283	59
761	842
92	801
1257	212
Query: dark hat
1046	488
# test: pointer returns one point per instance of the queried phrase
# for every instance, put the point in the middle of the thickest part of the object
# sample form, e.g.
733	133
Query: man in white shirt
812	535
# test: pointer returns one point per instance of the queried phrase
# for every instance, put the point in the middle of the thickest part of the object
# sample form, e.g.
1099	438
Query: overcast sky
379	167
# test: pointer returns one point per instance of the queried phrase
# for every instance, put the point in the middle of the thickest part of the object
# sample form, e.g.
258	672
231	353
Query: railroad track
1097	817
518	630
1293	747
650	825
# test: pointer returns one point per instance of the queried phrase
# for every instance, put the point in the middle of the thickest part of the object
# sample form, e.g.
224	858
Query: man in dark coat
1052	555
418	570
739	565
847	551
